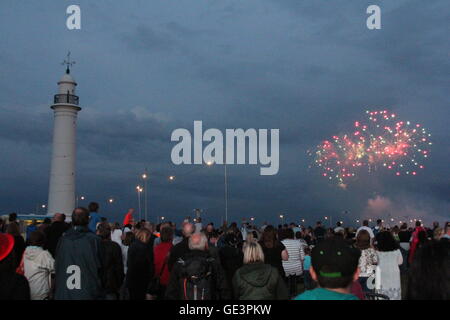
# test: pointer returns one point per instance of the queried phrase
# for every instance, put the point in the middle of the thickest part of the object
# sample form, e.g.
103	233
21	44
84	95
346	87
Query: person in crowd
387	281
156	231
249	238
231	256
94	216
12	218
308	236
183	247
418	238
198	225
319	232
293	267
177	234
209	230
339	228
309	284
116	233
446	231
395	230
38	267
128	219
13	286
365	226
197	276
112	263
294	227
299	237
430	231
245	229
350	235
256	280
335	268
140	268
437	234
2	226
379	227
274	250
234	228
124	246
212	246
404	237
161	257
429	276
54	232
78	268
367	261
45	225
19	242
31	228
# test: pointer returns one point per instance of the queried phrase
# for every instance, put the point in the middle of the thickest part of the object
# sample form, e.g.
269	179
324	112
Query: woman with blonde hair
139	265
256	280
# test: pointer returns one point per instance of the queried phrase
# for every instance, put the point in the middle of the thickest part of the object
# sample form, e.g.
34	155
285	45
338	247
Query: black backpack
197	278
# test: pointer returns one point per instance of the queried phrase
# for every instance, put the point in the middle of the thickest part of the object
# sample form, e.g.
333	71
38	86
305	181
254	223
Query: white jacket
38	266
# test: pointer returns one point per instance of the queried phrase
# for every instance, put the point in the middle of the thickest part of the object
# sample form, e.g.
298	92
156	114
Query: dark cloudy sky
144	68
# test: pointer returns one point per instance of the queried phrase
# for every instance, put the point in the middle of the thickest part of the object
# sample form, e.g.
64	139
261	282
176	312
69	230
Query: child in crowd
306	266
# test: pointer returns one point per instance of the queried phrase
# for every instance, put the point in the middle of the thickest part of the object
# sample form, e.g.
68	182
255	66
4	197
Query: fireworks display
380	142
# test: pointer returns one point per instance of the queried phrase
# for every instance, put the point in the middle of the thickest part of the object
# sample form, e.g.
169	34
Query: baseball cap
334	258
6	245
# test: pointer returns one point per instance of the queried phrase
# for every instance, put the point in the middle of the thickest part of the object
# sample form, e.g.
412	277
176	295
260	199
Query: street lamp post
226	191
139	191
145	178
77	199
225	176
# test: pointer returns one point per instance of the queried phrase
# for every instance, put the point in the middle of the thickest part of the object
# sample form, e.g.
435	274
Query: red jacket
414	243
160	255
128	218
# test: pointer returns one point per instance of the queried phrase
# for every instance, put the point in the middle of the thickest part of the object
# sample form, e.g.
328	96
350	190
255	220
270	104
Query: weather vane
68	63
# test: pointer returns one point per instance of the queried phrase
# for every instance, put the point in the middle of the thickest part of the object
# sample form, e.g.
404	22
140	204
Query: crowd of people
90	258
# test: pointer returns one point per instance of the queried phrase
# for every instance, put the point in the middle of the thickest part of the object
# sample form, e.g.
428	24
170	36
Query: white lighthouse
61	195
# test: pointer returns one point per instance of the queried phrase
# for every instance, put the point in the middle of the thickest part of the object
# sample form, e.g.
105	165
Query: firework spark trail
382	141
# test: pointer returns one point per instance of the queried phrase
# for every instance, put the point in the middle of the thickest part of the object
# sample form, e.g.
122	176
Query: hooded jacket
78	267
259	281
38	266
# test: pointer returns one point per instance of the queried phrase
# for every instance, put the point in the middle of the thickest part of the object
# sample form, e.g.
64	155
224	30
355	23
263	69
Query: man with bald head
54	232
197	275
181	248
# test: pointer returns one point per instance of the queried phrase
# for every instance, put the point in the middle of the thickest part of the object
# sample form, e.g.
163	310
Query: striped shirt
294	266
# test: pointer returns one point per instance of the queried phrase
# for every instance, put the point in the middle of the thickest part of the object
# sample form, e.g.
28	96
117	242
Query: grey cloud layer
309	68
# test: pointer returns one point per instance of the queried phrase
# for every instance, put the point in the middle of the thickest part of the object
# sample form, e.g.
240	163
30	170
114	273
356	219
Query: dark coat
19	248
178	251
220	289
112	262
53	233
78	252
259	281
140	269
231	259
13	287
